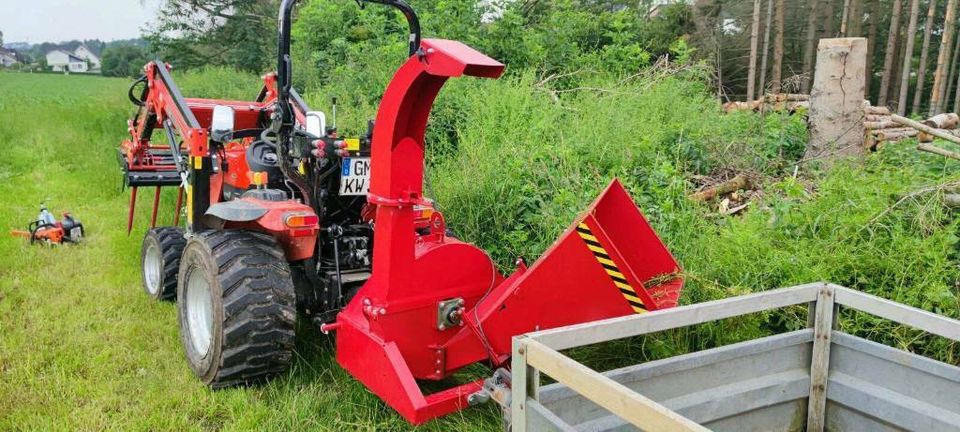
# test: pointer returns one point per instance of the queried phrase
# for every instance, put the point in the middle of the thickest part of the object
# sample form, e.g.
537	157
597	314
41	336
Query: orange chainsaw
48	230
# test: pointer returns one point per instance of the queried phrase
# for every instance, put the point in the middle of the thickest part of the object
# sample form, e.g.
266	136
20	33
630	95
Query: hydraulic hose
138	101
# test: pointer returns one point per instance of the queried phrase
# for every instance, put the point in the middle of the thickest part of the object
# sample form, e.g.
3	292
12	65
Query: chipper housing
274	232
401	326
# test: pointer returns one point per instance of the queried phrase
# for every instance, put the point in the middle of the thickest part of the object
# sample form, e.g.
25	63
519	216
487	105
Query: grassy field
82	348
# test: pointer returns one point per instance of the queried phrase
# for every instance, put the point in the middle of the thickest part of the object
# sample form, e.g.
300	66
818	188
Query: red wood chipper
287	220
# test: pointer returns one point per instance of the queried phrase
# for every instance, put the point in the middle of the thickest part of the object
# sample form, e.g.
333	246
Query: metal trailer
813	379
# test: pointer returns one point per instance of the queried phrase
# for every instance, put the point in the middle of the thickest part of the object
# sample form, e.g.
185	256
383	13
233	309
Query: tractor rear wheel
160	261
237	307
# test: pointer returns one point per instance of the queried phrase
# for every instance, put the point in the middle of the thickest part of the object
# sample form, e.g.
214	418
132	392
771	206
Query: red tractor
286	220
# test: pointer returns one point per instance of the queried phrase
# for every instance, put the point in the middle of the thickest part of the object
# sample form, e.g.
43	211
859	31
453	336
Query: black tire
252	307
160	261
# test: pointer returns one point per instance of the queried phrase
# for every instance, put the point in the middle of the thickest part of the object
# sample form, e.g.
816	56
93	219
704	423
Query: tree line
770	46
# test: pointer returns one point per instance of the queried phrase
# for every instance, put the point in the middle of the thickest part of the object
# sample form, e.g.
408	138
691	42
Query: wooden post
836	102
820	362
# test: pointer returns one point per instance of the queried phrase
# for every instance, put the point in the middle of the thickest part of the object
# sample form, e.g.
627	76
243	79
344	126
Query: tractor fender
232	211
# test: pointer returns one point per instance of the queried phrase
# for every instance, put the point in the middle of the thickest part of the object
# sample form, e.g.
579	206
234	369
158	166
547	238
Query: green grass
82	348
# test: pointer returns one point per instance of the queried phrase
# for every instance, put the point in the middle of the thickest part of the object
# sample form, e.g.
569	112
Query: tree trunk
943	59
894	94
836	101
856	18
891	52
924	53
956	100
829	16
811	46
776	76
754	42
952	74
908	57
943	121
844	18
766	48
871	44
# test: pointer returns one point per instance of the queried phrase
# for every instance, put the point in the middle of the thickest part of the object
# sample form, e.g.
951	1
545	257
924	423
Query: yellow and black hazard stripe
611	268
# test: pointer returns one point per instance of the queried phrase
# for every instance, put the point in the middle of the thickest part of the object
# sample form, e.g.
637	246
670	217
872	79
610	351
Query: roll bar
284	64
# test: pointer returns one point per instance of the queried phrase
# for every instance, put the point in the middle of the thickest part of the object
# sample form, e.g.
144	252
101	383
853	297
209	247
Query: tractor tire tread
259	307
172	242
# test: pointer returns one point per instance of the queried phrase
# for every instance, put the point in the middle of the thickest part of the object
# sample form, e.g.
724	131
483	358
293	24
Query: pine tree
943	59
908	57
766	48
777	73
810	47
924	53
754	42
890	53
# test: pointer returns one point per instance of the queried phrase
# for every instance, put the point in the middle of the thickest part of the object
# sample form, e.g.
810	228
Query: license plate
355	176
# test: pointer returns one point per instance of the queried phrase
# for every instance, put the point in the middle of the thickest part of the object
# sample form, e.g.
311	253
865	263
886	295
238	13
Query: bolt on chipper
287	220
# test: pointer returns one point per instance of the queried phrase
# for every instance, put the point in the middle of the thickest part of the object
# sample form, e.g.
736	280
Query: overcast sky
37	21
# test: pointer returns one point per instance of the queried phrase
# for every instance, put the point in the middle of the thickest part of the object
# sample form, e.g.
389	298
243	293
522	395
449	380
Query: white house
8	58
62	61
84	53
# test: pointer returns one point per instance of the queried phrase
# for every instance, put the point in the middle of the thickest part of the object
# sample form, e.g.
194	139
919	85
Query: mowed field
81	347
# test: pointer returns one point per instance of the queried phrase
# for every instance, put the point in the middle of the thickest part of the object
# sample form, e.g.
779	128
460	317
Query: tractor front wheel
160	261
236	307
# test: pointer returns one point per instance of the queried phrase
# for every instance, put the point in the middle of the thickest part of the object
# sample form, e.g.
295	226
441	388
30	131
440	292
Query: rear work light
300	220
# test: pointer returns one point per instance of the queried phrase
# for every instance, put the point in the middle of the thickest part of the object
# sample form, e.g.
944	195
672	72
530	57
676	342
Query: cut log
876	118
894	130
943	121
925	137
877	110
937	150
871	125
939	133
741	106
951	200
739	182
896	135
786	97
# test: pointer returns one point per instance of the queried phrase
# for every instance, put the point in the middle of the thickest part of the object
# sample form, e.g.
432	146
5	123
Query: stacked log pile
788	102
932	128
946	123
880	127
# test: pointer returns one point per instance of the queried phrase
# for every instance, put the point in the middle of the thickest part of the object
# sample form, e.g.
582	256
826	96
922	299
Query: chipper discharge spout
435	304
